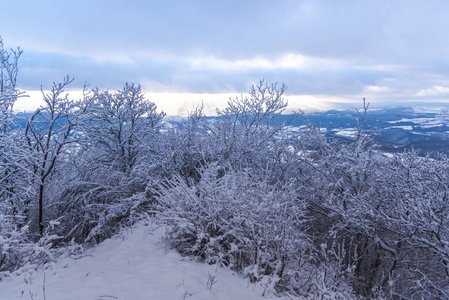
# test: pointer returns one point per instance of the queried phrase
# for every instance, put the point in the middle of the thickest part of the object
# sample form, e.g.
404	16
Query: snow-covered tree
8	84
246	130
13	176
48	133
9	156
121	125
119	145
16	248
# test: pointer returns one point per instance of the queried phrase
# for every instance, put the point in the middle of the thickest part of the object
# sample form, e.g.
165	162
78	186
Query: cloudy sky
185	52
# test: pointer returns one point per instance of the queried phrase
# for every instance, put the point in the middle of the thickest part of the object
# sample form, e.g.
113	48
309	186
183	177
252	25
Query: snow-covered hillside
134	265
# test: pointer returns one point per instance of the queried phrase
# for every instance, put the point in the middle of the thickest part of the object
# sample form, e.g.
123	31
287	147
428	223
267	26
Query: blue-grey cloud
368	30
41	69
384	49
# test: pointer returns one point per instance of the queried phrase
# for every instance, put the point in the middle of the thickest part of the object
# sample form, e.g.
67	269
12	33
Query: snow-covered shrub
235	218
387	212
185	147
418	225
391	215
91	212
12	241
17	250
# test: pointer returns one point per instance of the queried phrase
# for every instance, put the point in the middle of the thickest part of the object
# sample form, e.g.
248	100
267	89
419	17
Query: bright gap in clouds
180	104
179	84
178	98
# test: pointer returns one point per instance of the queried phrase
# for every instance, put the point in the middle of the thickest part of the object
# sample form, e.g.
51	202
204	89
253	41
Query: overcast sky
324	51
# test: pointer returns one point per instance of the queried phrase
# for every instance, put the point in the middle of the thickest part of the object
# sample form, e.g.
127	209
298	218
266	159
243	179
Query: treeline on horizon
305	214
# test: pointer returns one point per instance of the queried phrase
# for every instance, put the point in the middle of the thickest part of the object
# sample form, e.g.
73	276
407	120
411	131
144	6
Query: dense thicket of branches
307	215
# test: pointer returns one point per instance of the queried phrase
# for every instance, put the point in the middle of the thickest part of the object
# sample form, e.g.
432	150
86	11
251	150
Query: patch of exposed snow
423	122
346	132
402	127
430	109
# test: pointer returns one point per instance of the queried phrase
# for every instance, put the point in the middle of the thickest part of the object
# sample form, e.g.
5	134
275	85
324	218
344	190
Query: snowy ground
134	265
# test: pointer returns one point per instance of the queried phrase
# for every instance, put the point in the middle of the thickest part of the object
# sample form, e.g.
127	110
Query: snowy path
133	266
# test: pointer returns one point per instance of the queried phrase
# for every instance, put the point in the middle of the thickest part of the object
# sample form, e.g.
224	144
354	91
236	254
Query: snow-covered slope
134	265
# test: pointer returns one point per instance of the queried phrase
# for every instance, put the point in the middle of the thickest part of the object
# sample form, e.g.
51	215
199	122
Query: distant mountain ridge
425	129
